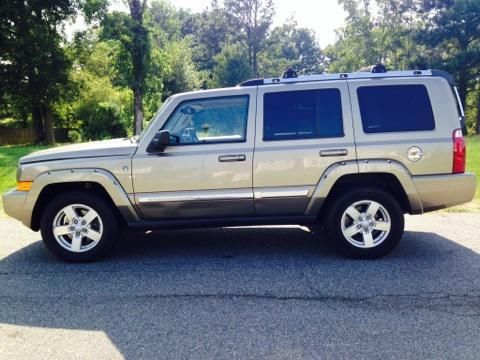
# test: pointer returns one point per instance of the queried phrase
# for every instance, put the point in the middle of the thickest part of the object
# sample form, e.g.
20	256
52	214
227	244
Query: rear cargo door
406	120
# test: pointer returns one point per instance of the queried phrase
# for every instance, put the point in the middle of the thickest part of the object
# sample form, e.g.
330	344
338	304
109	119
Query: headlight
22	185
19	172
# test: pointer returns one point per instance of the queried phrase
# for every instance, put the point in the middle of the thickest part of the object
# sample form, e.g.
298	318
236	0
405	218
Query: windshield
153	121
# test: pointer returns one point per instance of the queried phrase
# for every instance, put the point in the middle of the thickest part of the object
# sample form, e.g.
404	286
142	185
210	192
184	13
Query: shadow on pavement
237	293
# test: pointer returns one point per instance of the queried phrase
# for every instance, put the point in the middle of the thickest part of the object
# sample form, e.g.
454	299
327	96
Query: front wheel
79	227
365	223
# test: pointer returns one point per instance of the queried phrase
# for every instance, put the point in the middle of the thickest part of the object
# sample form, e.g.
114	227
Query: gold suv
351	151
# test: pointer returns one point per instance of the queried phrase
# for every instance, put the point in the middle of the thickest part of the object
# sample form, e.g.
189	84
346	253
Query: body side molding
194	195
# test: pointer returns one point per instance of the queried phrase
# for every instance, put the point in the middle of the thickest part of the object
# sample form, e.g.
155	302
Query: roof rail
345	76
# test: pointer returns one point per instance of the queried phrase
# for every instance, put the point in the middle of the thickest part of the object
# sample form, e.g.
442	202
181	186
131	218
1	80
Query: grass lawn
9	156
473	165
473	159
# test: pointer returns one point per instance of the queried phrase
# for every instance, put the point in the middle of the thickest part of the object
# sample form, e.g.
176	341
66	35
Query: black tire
105	213
339	205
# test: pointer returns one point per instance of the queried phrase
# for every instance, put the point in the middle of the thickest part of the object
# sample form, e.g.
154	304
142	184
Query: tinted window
302	114
395	108
209	120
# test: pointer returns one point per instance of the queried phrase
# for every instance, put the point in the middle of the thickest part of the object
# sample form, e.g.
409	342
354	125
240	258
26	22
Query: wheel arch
384	181
385	174
100	182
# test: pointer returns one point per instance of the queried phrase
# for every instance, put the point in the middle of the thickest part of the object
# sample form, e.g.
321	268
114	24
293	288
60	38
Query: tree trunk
24	120
38	126
48	121
140	52
137	111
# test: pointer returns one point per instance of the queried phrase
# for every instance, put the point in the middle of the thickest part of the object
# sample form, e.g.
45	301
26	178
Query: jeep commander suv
352	151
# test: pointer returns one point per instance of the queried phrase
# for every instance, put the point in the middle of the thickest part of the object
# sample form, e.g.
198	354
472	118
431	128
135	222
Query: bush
231	67
104	122
471	112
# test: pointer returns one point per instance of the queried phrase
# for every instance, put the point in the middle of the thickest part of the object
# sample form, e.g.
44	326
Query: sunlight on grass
473	159
9	156
473	165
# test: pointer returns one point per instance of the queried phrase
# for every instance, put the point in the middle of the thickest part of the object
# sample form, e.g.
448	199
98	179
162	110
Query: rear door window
305	114
395	108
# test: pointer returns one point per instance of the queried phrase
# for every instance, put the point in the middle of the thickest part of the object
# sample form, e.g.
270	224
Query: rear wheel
79	226
365	223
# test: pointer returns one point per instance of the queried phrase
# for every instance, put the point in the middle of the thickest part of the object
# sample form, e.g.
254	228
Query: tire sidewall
334	223
104	210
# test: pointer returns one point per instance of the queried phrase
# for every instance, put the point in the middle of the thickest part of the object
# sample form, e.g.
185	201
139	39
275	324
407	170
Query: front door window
207	121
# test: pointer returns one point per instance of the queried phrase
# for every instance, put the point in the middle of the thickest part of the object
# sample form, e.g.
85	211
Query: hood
115	147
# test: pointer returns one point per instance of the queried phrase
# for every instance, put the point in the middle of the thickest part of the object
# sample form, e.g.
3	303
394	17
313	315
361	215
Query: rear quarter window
395	108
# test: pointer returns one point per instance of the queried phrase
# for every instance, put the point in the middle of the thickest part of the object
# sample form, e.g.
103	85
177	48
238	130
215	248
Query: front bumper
13	204
442	191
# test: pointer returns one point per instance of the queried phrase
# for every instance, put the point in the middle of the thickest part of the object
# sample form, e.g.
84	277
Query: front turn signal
24	185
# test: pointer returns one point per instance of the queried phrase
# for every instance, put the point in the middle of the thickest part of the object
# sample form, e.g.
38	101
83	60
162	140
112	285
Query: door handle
232	158
334	152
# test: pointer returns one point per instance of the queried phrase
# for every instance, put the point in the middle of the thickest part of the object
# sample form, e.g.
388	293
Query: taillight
459	152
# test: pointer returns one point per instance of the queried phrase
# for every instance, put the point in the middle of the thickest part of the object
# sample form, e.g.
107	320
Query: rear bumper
442	191
13	204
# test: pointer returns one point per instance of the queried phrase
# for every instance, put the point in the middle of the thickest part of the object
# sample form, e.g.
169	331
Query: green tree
33	64
231	67
383	31
134	54
355	47
100	109
155	82
396	24
452	35
291	47
181	74
251	21
211	31
164	22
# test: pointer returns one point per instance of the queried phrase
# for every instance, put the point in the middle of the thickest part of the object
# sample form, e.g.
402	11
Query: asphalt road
261	293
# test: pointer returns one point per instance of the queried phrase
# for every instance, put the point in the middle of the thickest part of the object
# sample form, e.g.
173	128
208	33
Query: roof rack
345	76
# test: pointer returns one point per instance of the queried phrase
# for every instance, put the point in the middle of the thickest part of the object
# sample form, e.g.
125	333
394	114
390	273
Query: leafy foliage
33	65
443	34
211	31
231	67
291	47
134	52
252	20
181	74
100	108
110	79
452	36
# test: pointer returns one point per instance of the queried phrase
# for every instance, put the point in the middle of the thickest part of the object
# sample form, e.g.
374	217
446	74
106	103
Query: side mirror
159	142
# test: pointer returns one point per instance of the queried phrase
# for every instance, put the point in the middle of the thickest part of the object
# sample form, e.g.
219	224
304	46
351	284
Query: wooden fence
27	136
